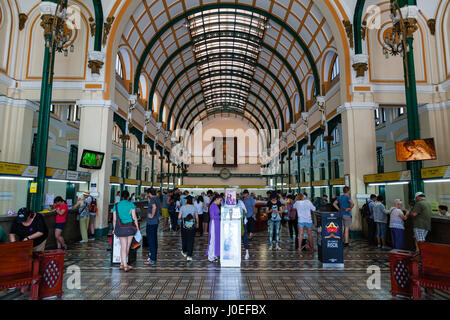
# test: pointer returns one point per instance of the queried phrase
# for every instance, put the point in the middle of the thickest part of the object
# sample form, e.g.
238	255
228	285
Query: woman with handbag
125	227
188	219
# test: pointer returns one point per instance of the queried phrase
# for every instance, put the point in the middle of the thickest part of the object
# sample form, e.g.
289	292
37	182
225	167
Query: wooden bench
18	268
431	269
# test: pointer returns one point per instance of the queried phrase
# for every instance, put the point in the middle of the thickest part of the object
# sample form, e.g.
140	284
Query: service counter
440	232
71	232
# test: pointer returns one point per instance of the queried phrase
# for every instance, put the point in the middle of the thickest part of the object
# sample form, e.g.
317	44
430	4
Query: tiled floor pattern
268	275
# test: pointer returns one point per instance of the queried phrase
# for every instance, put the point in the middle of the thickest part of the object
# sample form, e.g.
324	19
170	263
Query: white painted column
359	146
16	138
434	123
16	131
96	126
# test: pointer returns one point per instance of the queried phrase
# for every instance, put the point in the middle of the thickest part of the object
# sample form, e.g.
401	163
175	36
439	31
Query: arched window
335	70
288	115
116	133
322	171
143	88
146	174
164	115
297	103
155	102
119	67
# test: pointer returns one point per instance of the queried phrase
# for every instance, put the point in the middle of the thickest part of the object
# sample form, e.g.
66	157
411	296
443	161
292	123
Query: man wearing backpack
345	204
371	225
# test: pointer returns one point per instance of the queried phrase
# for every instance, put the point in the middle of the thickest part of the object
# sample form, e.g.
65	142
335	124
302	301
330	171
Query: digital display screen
92	159
415	150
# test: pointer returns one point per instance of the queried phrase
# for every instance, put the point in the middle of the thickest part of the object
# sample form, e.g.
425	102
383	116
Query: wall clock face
225	173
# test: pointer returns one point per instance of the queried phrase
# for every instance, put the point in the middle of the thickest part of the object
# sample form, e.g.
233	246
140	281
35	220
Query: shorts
381	230
206	217
305	225
420	234
60	225
165	212
347	221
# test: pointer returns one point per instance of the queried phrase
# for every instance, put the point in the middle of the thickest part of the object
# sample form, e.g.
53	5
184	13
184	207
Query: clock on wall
225	173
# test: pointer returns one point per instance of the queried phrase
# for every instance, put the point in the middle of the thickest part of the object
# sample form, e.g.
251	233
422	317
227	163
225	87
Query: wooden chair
18	268
431	269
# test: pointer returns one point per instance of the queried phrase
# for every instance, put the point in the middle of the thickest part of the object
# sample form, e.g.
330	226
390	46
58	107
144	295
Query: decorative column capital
357	106
360	64
47	10
409	14
96	61
125	137
97	103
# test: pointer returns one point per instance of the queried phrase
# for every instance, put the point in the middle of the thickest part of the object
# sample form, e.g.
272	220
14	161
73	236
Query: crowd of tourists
182	213
191	217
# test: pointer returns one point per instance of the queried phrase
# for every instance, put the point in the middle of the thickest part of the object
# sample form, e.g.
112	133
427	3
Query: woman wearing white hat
83	211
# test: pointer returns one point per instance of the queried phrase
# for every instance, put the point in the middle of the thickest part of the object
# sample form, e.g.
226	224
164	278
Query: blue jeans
251	225
152	239
245	237
397	238
274	225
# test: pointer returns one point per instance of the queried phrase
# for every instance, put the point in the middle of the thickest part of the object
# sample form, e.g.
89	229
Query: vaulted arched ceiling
219	57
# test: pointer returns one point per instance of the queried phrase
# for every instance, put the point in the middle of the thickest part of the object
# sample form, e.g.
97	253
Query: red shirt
62	218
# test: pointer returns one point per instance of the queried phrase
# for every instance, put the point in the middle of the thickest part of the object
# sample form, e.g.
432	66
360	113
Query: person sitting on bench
29	226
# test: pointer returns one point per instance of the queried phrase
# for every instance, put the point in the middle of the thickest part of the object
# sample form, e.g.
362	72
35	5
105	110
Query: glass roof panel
227	43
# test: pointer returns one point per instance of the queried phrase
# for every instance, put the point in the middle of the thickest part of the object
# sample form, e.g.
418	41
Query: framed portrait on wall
224	152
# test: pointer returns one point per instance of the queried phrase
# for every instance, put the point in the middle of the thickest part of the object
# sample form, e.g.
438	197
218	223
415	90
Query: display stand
230	236
332	252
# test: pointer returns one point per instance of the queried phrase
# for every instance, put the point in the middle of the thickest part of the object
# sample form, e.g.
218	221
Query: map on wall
224	152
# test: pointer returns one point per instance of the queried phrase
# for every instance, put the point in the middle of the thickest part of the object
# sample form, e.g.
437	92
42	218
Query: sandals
128	268
121	267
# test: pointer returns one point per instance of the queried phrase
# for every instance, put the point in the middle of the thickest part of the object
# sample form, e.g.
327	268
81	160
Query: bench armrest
415	266
35	268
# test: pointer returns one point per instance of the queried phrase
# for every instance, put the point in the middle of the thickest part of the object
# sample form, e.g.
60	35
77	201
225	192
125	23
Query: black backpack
171	206
365	210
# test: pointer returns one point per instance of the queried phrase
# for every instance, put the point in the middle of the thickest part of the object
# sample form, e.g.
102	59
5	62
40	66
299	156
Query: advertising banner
332	241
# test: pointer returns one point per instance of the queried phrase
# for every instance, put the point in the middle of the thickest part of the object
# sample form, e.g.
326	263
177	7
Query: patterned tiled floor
268	275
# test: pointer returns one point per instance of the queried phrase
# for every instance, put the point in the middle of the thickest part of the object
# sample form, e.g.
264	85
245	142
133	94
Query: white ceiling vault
268	82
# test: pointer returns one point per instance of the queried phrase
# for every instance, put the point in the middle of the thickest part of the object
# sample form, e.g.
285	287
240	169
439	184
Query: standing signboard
332	242
230	233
